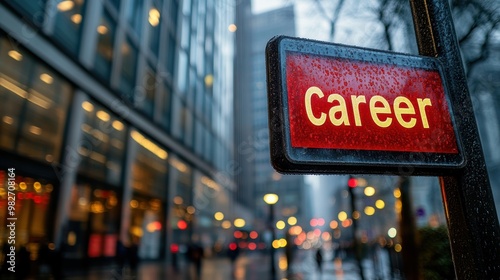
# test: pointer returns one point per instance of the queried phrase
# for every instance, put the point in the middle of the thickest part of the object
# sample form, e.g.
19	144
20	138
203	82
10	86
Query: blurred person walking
319	259
195	255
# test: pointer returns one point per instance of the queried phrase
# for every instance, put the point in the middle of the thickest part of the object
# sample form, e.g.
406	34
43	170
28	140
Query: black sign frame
288	159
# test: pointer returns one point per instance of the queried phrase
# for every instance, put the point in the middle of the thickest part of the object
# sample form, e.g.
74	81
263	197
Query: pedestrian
319	259
121	256
133	255
195	255
233	254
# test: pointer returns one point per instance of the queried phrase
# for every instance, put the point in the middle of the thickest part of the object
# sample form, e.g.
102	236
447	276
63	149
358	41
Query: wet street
248	266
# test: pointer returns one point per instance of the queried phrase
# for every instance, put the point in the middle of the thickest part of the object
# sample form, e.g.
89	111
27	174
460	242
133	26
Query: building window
34	11
94	216
147	226
149	182
183	211
115	3
34	103
103	144
165	107
182	72
154	28
134	15
171	51
128	69
145	98
104	50
68	24
149	170
34	220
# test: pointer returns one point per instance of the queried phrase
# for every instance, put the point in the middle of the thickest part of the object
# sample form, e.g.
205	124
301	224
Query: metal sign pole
470	210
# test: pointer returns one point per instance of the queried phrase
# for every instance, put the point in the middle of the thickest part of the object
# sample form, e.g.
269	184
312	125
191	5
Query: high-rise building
252	131
116	119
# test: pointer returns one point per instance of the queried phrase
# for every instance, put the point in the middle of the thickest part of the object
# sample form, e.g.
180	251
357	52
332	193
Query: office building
252	131
117	117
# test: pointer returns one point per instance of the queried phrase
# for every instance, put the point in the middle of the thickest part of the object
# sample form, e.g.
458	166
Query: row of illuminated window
108	48
35	102
153	91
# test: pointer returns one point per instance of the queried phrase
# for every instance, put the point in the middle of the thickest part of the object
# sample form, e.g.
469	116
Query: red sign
339	103
341	109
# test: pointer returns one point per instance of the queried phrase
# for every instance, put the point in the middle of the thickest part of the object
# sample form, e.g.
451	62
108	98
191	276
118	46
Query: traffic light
352	182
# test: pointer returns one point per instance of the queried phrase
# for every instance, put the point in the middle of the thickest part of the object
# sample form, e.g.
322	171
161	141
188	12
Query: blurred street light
271	199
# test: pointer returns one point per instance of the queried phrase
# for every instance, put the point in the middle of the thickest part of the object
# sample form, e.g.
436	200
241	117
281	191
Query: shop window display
32	210
93	222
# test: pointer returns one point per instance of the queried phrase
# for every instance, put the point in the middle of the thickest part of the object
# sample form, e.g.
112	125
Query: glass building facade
117	117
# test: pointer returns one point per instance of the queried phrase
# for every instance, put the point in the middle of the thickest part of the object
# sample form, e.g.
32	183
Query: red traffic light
352	183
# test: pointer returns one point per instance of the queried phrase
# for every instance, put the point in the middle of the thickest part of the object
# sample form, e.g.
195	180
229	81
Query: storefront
34	103
149	180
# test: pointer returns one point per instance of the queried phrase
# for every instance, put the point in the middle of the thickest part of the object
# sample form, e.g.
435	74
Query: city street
249	266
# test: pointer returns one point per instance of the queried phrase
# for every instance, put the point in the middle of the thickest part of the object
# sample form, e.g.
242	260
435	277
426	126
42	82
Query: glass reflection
34	102
103	144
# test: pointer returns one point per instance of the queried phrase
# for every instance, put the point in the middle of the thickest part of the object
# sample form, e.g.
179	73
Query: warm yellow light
65	6
118	125
226	225
361	182
380	204
398	205
87	106
13	87
282	242
392	232
397	193
191	210
15	55
283	263
179	165
154	17
46	78
178	200
271	198
149	145
342	216
134	203
101	29
8	120
369	191
210	183
37	186
280	224
276	244
334	224
239	222
103	116
219	216
292	221
76	18
398	248
71	238
23	186
369	210
209	80
232	27
35	130
356	215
